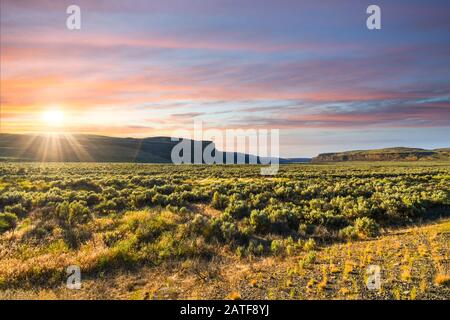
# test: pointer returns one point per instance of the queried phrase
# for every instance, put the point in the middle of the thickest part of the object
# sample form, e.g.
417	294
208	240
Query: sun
53	117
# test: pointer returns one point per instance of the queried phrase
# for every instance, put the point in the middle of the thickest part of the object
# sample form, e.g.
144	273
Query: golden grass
334	272
234	296
442	279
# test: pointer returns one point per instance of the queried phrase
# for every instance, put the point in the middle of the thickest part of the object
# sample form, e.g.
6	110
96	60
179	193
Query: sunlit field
165	231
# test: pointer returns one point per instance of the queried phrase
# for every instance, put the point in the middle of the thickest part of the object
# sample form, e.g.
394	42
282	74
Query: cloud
148	66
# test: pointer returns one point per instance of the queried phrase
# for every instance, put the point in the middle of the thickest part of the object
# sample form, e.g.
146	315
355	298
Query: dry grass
442	280
336	271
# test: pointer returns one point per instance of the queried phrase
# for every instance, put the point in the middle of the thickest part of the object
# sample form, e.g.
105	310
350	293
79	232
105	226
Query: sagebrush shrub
260	221
349	233
18	209
219	201
309	245
366	227
78	212
8	221
277	247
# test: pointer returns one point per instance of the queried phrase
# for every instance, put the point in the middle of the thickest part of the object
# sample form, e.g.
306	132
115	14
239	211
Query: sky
311	69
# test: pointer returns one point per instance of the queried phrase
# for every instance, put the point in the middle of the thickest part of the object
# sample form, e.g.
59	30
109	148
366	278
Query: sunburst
53	117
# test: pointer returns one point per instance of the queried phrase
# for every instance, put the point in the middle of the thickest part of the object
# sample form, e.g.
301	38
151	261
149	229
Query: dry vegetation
171	232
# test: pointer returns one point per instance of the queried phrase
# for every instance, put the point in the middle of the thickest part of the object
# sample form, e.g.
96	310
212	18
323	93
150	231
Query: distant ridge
96	148
295	160
387	154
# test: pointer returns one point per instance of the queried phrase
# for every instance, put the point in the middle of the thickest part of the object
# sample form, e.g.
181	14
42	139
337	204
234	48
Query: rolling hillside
95	148
84	148
388	154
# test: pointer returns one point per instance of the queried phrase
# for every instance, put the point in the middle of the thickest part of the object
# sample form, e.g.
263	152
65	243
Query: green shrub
151	228
237	209
240	252
78	212
77	234
84	184
349	233
310	258
11	198
366	227
230	231
201	225
219	201
259	220
309	245
291	246
17	209
277	247
255	248
160	200
122	254
305	229
93	199
121	203
8	221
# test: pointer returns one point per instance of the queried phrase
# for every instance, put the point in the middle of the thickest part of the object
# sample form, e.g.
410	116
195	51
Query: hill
84	148
296	160
387	154
96	148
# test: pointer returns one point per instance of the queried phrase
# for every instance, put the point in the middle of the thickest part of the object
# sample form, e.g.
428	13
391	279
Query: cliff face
389	154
